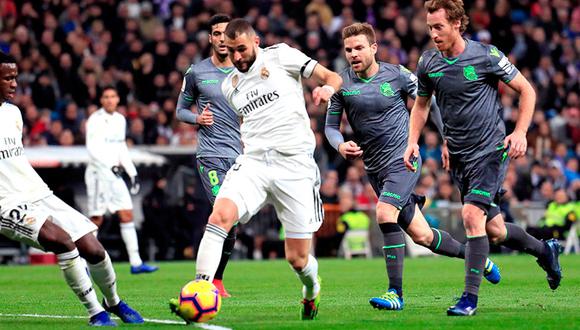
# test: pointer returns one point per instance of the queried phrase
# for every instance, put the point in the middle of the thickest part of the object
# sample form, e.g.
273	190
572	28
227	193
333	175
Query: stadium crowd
69	50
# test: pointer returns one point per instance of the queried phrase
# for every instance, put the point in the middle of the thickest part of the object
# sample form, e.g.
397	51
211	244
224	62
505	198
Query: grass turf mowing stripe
199	325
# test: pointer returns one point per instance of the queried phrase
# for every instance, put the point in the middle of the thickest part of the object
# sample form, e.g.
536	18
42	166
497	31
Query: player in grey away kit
219	126
464	76
374	96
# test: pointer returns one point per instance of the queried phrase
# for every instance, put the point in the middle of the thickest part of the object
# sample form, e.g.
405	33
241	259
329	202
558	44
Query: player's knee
496	234
55	239
297	261
125	216
473	217
386	213
423	238
90	249
97	220
223	215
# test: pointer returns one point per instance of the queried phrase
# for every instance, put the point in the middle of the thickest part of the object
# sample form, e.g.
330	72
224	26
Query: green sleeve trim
423	94
438	242
393	246
335	112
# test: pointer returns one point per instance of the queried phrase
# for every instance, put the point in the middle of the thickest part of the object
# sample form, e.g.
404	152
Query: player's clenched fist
350	150
206	117
410	157
322	94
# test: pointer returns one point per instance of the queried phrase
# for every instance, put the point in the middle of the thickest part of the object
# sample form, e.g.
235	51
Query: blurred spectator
560	215
430	149
329	187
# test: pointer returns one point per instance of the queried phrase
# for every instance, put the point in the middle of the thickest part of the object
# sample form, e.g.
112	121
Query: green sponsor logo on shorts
386	89
435	74
480	192
215	190
390	194
469	73
494	52
351	93
391	256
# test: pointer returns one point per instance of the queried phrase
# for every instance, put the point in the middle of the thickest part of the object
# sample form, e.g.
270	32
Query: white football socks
79	281
210	252
129	235
309	277
104	276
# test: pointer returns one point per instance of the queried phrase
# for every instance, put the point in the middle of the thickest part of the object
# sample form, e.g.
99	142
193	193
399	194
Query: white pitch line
199	325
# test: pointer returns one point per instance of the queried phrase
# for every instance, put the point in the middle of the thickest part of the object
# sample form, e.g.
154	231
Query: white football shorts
22	222
289	182
106	193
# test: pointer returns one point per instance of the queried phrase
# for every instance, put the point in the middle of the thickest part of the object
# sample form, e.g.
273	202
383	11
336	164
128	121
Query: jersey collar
451	61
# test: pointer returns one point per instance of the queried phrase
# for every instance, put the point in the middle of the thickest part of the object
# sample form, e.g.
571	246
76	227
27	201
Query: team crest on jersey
386	89
469	73
19	126
29	220
264	73
235	81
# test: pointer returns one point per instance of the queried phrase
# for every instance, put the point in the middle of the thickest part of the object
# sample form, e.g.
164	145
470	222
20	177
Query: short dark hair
454	9
109	88
360	28
6	58
239	26
217	19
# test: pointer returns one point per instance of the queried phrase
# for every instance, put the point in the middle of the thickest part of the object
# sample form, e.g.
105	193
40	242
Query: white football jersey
19	182
270	99
106	144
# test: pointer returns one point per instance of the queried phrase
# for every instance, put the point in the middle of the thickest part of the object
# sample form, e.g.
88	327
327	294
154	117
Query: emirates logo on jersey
259	102
264	73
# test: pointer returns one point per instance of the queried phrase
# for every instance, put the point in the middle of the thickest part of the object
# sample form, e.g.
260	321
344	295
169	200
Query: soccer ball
199	301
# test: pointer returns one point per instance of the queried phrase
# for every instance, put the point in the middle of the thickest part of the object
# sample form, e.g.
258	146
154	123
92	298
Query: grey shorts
395	183
480	181
212	172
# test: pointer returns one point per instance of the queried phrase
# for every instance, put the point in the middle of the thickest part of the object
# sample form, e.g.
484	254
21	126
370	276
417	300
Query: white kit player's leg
309	278
210	251
78	280
129	236
104	276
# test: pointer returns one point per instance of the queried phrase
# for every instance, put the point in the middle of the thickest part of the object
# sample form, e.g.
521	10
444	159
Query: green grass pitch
266	296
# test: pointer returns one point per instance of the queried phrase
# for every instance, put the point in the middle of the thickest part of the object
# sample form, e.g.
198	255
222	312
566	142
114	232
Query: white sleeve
295	61
124	156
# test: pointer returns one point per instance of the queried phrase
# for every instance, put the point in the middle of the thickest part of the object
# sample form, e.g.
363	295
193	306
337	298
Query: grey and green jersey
377	112
466	89
202	84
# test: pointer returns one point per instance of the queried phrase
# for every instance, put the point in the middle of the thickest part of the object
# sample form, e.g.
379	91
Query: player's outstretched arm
330	80
517	140
419	115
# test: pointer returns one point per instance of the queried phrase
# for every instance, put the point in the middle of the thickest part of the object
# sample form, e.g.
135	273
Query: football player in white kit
108	159
276	166
30	213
